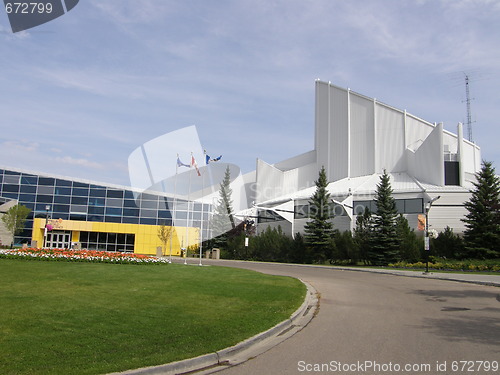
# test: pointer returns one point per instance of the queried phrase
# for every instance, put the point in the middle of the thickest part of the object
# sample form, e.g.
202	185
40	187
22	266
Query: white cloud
133	12
78	161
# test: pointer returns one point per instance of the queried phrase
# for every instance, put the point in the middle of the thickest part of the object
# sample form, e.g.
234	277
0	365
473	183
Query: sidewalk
472	277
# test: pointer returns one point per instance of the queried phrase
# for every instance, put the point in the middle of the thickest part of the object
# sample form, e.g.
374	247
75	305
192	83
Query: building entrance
58	239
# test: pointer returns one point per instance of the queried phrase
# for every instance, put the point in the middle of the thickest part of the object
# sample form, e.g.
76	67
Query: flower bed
81	256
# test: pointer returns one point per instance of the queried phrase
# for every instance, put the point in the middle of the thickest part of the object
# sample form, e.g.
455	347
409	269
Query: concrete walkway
472	277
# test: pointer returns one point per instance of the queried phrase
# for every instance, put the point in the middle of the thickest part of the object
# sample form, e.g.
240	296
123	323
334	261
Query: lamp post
427	240
47	209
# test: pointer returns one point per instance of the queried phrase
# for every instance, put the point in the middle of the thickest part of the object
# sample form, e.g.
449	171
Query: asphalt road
375	323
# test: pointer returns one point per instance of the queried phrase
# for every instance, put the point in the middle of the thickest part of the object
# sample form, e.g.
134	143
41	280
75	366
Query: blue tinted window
129	194
79	200
113	211
114	193
26	197
98	218
97	192
11	173
164	214
130	220
112	219
46	181
166	222
61	215
44	198
11	188
60	208
96	201
28	189
63	183
130	212
62	190
129	203
29	180
80	185
96	210
62	199
81	192
147	221
43	207
78	217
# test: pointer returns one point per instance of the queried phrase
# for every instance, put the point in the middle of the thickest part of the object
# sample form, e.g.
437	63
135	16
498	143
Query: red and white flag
193	164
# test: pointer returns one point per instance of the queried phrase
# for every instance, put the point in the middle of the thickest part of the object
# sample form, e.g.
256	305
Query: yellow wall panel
146	236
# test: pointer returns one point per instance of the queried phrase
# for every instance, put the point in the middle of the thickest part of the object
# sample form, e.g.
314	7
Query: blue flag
208	160
181	164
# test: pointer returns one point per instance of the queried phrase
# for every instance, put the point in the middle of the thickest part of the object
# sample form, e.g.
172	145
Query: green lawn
79	318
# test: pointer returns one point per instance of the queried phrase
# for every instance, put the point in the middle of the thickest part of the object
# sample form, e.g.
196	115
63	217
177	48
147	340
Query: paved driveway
378	323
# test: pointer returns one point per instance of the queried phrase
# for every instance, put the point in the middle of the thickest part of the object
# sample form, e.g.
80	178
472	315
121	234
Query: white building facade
356	139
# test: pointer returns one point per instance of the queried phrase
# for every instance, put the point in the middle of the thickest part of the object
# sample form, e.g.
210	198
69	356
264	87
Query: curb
416	274
487	280
242	351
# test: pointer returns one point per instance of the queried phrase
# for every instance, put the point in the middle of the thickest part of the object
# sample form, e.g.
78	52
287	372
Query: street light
427	240
47	209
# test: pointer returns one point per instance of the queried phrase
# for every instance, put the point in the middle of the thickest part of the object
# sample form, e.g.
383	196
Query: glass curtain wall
73	200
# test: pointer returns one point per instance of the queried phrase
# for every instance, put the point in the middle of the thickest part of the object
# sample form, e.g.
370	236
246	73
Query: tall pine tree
223	219
318	231
482	233
384	244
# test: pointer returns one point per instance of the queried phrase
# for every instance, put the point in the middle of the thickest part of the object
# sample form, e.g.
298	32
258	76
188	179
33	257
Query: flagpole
211	182
187	217
201	227
175	207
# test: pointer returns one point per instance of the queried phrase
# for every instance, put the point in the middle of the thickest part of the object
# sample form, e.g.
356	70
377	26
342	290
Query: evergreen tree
346	250
482	234
409	249
223	219
299	252
447	245
384	244
362	234
319	230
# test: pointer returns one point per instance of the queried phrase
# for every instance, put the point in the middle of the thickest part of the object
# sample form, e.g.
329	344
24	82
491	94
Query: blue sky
80	93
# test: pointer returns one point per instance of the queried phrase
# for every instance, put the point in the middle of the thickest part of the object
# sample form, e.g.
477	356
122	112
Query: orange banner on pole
421	222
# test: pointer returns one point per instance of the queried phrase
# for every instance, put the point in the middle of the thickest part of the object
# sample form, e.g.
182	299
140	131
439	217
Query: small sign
246	241
427	243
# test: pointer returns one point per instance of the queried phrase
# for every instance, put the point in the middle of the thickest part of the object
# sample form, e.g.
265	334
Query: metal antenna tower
467	101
